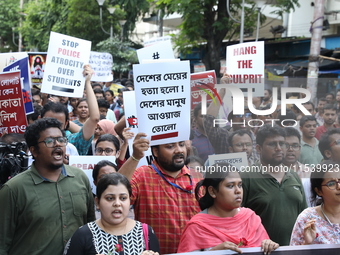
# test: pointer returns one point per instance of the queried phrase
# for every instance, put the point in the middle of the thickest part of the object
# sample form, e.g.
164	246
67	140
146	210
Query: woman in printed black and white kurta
113	233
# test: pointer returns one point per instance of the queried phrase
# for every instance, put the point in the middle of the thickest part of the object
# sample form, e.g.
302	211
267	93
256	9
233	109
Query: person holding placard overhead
82	139
163	193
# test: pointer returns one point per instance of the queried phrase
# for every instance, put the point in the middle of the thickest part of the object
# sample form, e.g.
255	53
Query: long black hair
112	179
214	176
317	178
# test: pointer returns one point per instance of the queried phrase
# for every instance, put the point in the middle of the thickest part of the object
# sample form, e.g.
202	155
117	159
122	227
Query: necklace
187	190
324	215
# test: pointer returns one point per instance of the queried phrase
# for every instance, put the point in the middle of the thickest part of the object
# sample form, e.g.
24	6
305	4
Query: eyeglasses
332	184
50	142
108	151
241	145
337	142
294	146
273	145
247	115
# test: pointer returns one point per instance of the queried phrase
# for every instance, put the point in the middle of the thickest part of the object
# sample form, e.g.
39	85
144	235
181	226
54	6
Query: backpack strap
146	235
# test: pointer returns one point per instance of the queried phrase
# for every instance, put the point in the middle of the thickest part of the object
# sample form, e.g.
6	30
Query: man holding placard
163	193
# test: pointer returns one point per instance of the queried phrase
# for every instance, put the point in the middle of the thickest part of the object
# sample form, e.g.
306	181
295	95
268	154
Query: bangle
134	158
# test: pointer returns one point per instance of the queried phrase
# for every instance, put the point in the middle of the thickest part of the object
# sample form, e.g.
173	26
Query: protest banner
202	84
152	41
245	65
37	62
238	159
12	112
87	163
163	100
131	121
22	66
64	67
313	249
101	63
162	50
9	58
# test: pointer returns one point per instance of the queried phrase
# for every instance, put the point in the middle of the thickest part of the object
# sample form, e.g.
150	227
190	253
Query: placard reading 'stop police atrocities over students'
66	57
163	100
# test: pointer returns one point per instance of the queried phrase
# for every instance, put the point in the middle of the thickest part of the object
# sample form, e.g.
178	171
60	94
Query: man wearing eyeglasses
240	141
293	139
46	204
81	138
270	189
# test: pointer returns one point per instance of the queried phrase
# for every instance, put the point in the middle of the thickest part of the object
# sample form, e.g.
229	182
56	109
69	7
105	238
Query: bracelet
134	158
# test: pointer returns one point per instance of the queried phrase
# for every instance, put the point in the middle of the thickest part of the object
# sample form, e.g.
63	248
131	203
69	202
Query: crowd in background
290	194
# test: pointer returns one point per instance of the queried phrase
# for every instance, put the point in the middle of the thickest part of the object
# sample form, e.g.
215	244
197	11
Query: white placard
163	101
132	122
101	63
162	50
8	58
87	163
237	159
66	57
245	65
152	41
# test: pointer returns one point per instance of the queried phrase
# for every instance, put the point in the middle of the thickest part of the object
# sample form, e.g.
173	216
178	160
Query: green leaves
122	53
9	18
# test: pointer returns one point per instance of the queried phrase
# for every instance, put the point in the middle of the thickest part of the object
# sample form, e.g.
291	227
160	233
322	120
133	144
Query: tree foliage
78	18
206	22
9	21
41	18
134	10
121	51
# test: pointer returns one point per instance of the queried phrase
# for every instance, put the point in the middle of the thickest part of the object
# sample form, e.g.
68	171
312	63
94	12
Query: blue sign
22	66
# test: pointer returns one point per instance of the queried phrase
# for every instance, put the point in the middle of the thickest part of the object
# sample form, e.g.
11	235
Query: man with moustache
329	117
43	206
240	141
319	115
163	193
293	140
329	145
267	98
310	153
270	189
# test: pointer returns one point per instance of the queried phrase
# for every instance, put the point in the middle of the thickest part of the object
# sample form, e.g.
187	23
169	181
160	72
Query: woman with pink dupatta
223	224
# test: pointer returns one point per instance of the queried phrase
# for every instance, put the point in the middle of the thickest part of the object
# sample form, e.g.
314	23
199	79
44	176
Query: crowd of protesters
289	193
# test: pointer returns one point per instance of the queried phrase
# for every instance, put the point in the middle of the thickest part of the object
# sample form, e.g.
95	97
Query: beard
172	166
55	166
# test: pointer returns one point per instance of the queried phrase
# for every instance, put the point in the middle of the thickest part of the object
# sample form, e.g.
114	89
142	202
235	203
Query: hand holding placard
88	72
140	145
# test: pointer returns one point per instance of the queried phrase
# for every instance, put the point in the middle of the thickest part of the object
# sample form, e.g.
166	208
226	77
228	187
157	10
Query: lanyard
188	189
